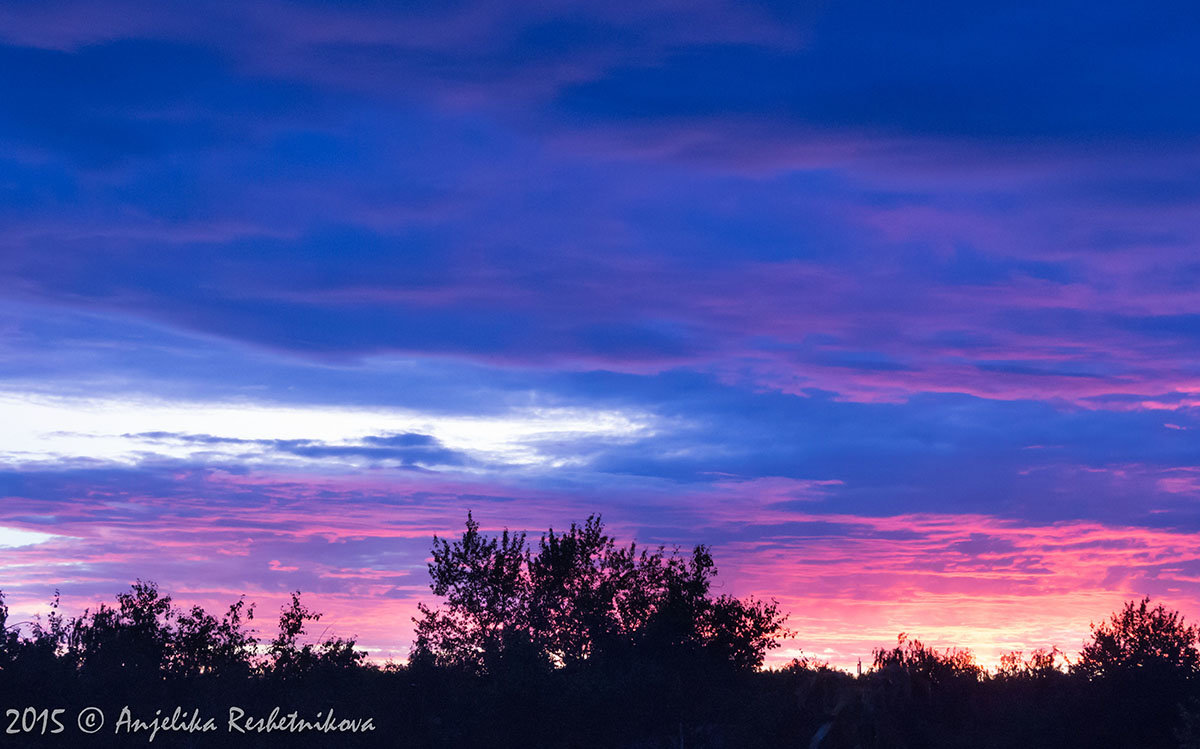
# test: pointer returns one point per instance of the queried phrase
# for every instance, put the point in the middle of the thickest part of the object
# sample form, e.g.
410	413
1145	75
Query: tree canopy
579	596
1141	638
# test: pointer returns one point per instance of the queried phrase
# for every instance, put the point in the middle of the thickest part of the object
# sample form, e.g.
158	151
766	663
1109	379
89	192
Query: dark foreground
575	643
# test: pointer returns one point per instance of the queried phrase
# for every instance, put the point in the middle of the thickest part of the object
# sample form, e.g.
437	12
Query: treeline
576	641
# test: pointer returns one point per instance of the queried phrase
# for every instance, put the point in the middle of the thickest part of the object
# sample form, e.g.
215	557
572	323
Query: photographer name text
129	722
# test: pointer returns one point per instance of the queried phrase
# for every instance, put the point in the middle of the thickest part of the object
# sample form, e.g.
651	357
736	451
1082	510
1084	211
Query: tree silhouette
1140	638
918	660
578	641
134	638
486	590
576	581
288	658
205	645
1041	664
580	596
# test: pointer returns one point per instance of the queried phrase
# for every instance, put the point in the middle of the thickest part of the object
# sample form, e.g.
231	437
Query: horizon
893	308
27	610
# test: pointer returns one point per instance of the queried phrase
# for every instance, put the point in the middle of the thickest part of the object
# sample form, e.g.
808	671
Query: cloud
408	449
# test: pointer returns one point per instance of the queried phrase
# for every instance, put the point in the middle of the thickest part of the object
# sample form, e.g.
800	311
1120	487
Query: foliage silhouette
576	641
1142	639
580	597
1140	662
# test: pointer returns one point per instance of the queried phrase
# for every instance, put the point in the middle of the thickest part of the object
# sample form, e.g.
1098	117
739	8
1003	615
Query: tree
486	586
574	583
10	637
927	664
1041	664
202	644
741	632
134	638
1138	638
290	659
579	597
1139	665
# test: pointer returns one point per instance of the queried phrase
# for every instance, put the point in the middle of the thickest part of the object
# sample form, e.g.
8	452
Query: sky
892	305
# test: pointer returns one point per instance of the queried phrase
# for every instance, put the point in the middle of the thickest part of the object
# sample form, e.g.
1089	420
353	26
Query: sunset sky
894	305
